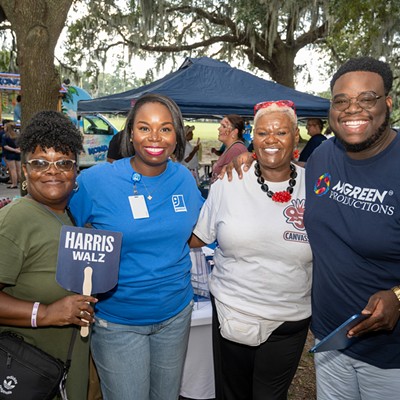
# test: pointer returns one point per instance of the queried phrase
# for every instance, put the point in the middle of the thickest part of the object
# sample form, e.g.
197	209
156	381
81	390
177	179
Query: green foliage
8	54
367	27
107	84
5	58
266	33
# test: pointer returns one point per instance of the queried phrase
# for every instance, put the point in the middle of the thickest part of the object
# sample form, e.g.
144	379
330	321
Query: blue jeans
345	378
141	362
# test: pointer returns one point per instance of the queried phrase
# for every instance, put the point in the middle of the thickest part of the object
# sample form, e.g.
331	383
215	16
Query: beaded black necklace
280	197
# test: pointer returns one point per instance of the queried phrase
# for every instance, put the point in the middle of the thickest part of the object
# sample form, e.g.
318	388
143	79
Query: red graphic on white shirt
294	214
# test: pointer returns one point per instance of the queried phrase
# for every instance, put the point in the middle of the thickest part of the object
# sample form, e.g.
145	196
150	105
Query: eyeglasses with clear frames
365	100
39	165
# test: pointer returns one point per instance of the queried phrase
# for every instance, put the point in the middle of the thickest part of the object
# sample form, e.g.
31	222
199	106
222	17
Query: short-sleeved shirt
29	239
263	261
227	156
311	145
10	155
154	282
353	221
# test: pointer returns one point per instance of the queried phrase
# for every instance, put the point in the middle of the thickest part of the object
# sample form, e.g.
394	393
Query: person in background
2	152
261	281
17	109
219	151
142	326
230	133
314	129
114	147
247	133
2	133
191	159
12	153
29	240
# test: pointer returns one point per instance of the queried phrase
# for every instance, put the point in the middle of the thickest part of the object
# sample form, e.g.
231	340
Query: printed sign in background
83	247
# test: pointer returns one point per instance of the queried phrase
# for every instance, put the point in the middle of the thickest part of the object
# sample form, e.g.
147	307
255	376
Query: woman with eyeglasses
261	282
230	133
32	304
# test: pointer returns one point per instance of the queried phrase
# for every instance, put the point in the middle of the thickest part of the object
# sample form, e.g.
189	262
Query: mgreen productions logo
323	184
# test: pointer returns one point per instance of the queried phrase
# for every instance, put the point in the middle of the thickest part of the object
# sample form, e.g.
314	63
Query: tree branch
196	45
213	18
319	33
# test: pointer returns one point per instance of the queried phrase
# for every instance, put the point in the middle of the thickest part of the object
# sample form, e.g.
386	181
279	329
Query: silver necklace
136	177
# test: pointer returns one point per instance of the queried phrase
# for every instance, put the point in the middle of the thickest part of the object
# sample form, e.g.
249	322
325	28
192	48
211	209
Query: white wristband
34	314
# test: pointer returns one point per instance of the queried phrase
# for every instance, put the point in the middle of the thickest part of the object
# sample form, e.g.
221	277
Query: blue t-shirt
154	277
352	219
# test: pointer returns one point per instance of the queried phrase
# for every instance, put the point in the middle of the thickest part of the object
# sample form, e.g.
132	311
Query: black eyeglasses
43	165
365	100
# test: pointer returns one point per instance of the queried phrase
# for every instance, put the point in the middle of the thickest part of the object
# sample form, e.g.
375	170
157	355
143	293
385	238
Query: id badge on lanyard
138	206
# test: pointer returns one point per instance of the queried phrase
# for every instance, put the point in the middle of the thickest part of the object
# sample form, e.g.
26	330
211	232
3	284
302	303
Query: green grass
117	121
204	130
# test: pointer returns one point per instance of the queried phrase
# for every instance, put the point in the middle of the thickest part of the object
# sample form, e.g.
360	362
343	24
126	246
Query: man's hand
384	308
245	159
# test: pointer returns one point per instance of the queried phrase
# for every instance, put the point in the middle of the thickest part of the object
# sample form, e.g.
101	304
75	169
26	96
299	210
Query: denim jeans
342	377
141	362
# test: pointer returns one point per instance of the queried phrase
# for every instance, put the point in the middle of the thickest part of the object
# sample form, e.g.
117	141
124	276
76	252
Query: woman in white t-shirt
261	282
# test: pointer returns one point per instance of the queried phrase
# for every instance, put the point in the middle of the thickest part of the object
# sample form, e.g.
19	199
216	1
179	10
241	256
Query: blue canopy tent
203	87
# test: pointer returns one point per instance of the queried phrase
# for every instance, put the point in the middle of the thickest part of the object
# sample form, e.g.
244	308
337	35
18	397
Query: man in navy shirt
352	220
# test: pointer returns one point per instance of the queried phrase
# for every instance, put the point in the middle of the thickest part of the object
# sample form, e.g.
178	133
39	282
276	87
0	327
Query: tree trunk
37	25
282	69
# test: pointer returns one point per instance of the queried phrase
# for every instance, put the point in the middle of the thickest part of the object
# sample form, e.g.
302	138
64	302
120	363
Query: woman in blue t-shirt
142	326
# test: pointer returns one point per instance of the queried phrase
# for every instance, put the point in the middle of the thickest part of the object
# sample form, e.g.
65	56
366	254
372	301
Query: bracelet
396	291
34	314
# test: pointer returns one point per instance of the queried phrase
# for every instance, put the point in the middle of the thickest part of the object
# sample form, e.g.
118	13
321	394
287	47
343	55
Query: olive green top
29	239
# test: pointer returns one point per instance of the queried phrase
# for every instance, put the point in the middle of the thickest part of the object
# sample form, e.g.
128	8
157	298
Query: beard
366	144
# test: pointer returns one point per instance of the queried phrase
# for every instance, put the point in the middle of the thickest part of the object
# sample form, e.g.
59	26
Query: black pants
262	372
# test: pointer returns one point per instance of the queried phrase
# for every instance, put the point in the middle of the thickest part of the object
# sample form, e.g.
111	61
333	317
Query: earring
24	185
76	186
296	154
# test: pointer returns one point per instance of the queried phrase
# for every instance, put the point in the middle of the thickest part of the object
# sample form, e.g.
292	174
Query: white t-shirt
193	164
263	261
